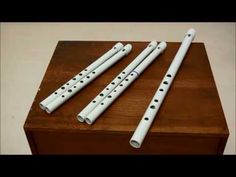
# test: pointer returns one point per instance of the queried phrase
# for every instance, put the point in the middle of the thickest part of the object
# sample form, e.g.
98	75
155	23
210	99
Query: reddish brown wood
190	120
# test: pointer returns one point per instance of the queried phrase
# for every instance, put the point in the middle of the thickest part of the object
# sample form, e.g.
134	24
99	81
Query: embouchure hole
152	107
113	83
114	90
161	90
67	84
74	86
102	103
74	78
165	82
168	75
121	85
146	118
62	87
123	50
93	72
88	77
69	90
81	81
63	96
55	93
156	100
119	77
101	94
109	96
107	88
123	72
80	74
94	101
126	79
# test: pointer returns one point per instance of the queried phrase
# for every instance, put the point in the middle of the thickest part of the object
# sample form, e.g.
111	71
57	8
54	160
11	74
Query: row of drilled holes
74	86
94	101
113	83
156	100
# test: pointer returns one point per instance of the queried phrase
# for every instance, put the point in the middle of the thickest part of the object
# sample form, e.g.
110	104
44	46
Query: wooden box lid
192	105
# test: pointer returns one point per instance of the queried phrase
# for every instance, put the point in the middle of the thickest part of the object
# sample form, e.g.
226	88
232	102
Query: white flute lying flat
116	48
107	101
115	82
149	115
86	80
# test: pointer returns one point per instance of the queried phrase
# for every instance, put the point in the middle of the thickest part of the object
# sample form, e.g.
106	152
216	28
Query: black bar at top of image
120	11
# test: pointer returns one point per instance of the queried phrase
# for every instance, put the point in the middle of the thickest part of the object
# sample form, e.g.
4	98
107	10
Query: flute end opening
135	144
88	121
80	119
47	110
41	106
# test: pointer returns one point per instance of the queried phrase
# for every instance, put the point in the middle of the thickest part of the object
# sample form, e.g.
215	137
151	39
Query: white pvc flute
150	114
115	82
116	48
92	116
86	80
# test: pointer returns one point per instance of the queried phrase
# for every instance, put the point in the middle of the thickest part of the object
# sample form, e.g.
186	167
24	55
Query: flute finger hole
62	96
114	90
132	74
146	118
121	85
123	72
165	82
119	77
156	100
168	75
158	47
126	79
113	83
114	47
109	96
107	88
93	72
88	77
123	50
69	90
152	107
74	78
86	70
67	84
80	74
62	87
74	86
161	90
189	35
81	81
94	101
101	94
102	103
55	93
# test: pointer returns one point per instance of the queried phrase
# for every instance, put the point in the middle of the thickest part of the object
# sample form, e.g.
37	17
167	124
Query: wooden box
190	120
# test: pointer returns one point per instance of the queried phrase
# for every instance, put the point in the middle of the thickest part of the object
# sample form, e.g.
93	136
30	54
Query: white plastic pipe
86	80
150	114
116	48
115	82
107	101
